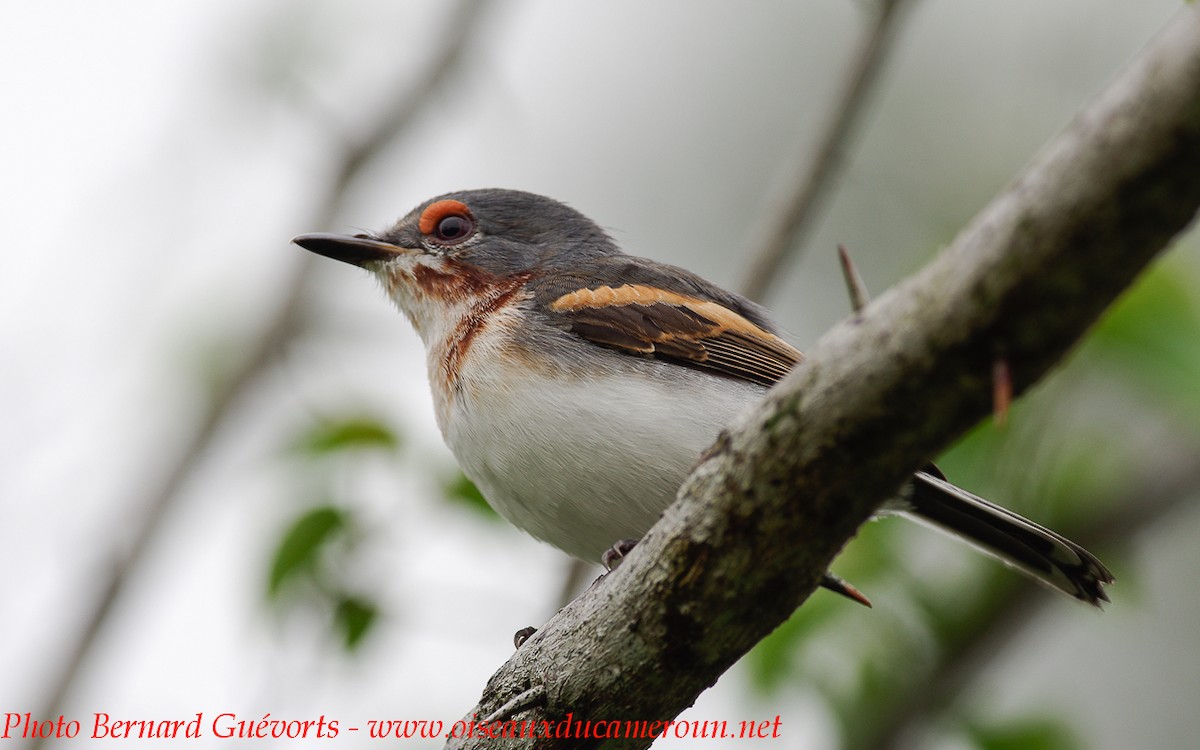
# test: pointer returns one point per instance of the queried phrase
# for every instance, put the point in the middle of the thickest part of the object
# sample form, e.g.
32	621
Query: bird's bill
353	250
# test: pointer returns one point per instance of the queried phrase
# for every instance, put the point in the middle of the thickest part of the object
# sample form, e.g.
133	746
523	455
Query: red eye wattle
447	222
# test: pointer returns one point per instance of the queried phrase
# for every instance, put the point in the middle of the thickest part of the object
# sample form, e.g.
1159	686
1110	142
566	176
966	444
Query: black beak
354	250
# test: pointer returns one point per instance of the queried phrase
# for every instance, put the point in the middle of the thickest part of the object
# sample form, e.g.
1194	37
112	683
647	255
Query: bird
577	385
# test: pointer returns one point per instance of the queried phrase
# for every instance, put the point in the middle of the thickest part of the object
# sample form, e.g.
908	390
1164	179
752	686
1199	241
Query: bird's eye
453	228
447	222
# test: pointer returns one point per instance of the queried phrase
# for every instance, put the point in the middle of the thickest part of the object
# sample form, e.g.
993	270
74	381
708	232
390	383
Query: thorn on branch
859	296
1002	390
839	585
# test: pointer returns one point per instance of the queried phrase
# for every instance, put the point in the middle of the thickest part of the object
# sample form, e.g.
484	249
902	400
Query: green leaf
1026	734
463	491
347	434
354	616
301	545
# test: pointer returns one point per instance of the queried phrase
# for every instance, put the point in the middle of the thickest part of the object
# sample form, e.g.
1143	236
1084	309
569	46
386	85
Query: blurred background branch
791	213
464	21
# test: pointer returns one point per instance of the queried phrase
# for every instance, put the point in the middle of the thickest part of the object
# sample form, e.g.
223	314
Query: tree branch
879	396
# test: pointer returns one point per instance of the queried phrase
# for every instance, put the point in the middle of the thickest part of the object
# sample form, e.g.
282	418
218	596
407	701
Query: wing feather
649	321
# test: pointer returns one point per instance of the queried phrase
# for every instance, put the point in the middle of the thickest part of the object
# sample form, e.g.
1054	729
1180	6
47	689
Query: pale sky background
158	156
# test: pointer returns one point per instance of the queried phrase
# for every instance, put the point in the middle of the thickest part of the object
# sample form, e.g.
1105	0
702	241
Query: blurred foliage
351	433
1029	734
301	546
1152	337
771	662
305	565
463	492
312	555
354	617
315	553
1058	461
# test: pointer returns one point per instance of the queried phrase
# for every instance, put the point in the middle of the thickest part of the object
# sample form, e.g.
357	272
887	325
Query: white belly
582	467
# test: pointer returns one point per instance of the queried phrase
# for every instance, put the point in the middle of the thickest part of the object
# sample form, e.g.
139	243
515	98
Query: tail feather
1046	556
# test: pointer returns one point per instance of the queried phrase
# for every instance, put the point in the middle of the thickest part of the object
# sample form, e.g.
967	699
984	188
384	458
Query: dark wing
649	320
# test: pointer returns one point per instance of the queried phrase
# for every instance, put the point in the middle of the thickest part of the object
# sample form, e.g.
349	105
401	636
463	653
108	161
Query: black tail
1052	559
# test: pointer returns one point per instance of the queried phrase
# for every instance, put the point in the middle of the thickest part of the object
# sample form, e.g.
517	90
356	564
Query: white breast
583	463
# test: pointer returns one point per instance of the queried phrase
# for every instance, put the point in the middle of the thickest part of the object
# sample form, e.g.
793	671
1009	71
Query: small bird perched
578	385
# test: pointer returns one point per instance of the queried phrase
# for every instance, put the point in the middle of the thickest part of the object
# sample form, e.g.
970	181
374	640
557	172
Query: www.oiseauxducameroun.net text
232	726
